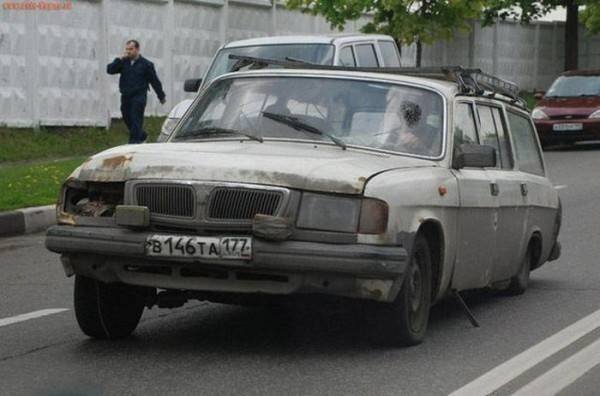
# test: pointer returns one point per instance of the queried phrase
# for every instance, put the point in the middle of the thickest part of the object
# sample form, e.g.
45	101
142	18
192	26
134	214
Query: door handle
524	189
494	189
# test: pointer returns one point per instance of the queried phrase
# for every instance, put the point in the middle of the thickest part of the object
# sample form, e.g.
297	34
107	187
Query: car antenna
465	308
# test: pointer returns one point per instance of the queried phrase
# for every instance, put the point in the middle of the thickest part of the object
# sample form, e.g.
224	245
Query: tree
528	10
408	21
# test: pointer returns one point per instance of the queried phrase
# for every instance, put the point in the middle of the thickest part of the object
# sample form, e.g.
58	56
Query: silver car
397	189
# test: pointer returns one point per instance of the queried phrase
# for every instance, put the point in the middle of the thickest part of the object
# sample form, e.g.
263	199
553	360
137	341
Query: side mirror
539	95
474	156
192	85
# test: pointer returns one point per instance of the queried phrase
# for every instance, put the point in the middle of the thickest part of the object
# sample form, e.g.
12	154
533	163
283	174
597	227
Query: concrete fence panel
53	63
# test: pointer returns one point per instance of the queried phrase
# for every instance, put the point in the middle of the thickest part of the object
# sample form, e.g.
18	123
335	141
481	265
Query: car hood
306	166
580	107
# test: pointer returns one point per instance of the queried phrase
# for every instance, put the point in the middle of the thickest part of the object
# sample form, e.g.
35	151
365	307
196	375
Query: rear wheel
520	282
404	322
107	311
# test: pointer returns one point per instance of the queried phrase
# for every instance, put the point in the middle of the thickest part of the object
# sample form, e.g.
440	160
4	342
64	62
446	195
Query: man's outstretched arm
156	84
115	66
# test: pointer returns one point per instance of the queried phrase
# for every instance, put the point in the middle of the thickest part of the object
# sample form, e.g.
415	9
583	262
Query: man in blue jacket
136	73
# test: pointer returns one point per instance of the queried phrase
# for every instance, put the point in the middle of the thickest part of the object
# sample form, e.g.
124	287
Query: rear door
506	185
478	211
540	195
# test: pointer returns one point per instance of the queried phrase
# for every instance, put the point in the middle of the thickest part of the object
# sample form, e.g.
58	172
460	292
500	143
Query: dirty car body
295	182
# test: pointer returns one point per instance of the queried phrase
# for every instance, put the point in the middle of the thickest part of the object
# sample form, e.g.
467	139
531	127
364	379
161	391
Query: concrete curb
26	221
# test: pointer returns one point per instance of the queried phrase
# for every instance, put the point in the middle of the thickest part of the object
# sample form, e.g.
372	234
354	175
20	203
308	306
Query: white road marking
560	186
563	374
512	368
30	315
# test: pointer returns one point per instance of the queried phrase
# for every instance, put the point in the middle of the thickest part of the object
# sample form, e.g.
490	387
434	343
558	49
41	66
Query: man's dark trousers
132	109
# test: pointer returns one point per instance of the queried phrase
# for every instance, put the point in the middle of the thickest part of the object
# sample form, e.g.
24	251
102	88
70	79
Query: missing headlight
92	199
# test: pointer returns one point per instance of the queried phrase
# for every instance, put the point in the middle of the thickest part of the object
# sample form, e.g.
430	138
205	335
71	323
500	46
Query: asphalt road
206	348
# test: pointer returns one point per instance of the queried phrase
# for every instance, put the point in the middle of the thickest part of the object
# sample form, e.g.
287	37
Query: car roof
589	72
448	88
307	39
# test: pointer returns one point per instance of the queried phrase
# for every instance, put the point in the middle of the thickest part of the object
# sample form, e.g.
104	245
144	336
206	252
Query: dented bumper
118	255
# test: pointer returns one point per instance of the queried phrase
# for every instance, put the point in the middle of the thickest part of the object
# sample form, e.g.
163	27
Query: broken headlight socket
71	193
342	214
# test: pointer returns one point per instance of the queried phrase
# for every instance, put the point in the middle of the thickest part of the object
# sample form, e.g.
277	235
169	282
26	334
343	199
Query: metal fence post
223	26
32	68
168	53
495	50
472	45
536	56
103	54
273	16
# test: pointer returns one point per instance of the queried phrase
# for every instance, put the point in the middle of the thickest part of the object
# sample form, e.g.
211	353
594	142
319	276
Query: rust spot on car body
116	162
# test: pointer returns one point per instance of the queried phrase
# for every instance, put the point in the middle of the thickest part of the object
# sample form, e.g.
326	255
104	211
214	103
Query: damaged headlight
89	198
342	214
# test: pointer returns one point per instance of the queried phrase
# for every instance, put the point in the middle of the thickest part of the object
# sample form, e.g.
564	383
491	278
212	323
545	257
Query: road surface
546	341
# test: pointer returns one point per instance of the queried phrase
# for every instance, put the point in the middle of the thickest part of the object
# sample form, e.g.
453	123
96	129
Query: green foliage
528	10
590	16
408	21
524	10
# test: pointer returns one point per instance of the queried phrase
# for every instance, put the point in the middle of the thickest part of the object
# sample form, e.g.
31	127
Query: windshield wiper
299	125
217	131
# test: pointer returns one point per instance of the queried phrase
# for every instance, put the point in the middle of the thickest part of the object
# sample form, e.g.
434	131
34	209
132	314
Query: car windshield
312	53
345	112
573	86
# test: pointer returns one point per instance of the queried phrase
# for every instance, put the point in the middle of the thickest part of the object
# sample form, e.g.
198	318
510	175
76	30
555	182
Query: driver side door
478	210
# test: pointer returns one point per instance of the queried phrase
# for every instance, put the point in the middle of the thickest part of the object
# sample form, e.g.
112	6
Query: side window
389	53
366	55
464	125
505	150
490	135
347	56
527	153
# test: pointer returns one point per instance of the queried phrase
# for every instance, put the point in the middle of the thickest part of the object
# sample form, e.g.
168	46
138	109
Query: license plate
227	248
567	127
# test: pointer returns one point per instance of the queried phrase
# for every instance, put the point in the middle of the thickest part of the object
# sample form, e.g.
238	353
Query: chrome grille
242	203
167	199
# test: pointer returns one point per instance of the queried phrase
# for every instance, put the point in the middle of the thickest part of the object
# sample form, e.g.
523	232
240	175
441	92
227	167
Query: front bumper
283	267
590	131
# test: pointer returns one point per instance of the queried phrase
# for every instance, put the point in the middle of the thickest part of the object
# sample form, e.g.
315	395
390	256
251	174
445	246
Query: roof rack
470	81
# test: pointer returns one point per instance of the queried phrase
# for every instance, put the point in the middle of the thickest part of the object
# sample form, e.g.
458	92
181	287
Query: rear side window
464	125
487	130
347	57
389	54
503	140
527	152
491	133
366	55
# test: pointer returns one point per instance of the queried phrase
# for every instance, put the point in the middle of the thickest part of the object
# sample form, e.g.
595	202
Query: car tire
519	283
404	322
107	311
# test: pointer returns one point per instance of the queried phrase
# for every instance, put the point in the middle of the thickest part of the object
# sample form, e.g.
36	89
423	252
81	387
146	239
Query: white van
363	50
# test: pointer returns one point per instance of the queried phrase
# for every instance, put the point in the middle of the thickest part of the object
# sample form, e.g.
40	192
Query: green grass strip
24	185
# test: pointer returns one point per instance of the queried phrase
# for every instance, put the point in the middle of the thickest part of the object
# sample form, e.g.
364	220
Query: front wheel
107	311
404	321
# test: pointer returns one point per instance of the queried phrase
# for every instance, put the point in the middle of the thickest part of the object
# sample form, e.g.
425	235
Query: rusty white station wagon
396	187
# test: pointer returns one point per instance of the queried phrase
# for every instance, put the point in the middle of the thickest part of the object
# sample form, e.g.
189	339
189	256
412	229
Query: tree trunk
419	53
571	35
